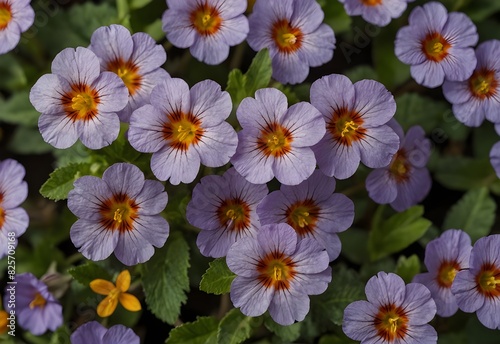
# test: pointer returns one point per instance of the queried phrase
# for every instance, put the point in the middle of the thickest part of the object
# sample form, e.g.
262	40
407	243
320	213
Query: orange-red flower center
5	14
435	47
302	216
345	126
446	273
287	38
488	281
234	214
206	19
483	84
2	212
182	130
276	270
128	72
371	2
275	140
119	213
81	102
391	322
400	167
38	301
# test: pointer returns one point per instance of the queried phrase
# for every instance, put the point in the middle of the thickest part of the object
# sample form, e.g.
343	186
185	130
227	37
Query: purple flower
119	213
394	313
437	45
184	127
355	118
223	207
16	16
293	32
495	158
207	27
277	272
36	309
95	333
477	98
478	288
312	209
13	191
77	101
378	12
276	140
405	181
444	257
136	59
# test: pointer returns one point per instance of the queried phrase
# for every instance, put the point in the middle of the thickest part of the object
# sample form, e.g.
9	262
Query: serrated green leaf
474	213
406	268
88	272
414	109
165	278
217	279
201	331
236	327
259	73
462	173
286	333
345	288
60	182
397	232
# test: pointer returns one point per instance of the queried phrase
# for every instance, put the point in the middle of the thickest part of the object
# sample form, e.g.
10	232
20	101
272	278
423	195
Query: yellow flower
3	322
115	294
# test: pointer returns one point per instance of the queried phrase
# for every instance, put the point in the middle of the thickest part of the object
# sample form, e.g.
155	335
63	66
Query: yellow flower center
234	214
346	126
287	38
302	216
446	273
182	130
81	103
38	301
349	126
435	47
483	84
128	72
276	270
399	167
119	213
206	20
275	140
391	322
488	281
5	15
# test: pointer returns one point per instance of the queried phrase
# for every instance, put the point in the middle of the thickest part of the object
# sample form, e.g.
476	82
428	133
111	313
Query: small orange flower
114	294
3	321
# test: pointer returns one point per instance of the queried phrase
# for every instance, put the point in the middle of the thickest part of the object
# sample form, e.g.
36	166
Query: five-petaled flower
95	333
114	294
183	127
378	12
119	213
16	16
437	45
78	101
224	208
207	27
444	258
293	32
394	313
477	289
276	271
356	130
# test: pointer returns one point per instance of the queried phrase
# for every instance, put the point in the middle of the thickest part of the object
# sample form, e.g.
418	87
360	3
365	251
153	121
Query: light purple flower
293	32
444	257
119	213
478	288
394	313
356	130
36	309
207	27
406	180
477	98
437	45
276	140
13	191
95	333
136	59
77	101
277	272
377	12
16	16
224	208
495	158
312	209
183	128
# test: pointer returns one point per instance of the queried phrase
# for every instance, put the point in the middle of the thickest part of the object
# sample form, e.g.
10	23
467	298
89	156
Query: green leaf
288	334
134	4
336	16
354	245
345	288
414	109
361	72
217	280
406	268
88	272
463	173
236	327
165	278
61	335
60	182
259	73
13	75
474	213
201	331
479	10
18	110
27	140
397	232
